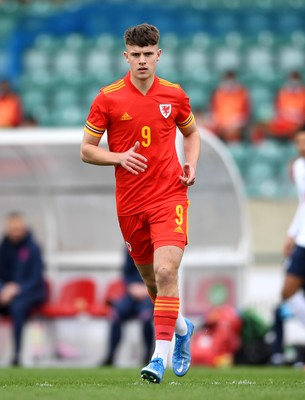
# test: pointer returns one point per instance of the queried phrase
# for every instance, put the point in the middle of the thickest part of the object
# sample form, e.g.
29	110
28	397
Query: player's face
300	142
142	60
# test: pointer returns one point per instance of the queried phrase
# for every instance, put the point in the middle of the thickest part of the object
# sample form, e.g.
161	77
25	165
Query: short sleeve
185	116
97	120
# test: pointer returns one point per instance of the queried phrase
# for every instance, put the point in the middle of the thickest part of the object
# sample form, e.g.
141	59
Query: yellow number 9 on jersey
146	134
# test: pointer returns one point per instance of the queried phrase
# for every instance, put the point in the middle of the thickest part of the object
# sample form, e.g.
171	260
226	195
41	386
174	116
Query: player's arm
191	146
288	246
92	153
293	230
295	225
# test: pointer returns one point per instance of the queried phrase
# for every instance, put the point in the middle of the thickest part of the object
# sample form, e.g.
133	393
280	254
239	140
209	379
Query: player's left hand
188	178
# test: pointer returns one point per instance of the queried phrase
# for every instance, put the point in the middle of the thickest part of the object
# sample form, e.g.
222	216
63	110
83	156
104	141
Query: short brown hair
142	35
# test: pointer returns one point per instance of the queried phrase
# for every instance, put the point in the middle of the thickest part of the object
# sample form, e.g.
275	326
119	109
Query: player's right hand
133	161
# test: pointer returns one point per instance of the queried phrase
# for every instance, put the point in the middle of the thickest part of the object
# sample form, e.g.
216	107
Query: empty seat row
98	61
265	168
168	18
80	296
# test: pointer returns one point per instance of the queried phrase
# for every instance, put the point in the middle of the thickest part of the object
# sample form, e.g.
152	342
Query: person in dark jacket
135	302
22	286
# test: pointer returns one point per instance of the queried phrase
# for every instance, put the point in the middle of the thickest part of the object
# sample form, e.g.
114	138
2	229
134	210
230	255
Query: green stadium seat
34	59
170	41
291	58
261	180
241	154
42	115
235	40
199	40
290	152
167	65
70	80
66	61
262	111
47	43
65	97
104	41
194	66
261	93
258	58
71	115
297	38
269	152
258	40
284	173
32	99
75	42
36	80
266	189
121	66
96	62
193	60
199	98
88	96
259	171
226	58
41	7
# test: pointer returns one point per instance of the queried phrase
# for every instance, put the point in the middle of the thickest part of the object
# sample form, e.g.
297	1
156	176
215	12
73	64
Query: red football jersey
129	116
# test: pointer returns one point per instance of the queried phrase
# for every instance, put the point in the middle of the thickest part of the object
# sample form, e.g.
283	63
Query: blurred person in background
22	286
10	106
134	302
289	110
141	113
230	109
293	299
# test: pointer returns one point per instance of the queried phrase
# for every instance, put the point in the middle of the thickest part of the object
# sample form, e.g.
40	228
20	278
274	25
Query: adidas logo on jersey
125	117
178	229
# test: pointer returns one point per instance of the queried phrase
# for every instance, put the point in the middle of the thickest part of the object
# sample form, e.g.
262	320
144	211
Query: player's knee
162	275
165	276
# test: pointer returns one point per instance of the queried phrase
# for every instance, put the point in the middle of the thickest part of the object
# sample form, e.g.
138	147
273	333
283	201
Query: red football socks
165	316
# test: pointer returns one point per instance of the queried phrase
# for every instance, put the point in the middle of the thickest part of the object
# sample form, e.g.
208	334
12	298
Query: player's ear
126	56
159	52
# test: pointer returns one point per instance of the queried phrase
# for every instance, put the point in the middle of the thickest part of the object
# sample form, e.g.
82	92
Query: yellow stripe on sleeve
187	122
93	130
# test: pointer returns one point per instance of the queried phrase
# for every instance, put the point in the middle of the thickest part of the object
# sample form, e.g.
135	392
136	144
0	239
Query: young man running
140	113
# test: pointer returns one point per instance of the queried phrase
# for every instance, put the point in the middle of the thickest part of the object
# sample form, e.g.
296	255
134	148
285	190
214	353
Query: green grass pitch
123	384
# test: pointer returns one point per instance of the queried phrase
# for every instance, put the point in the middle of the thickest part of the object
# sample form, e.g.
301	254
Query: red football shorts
161	226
